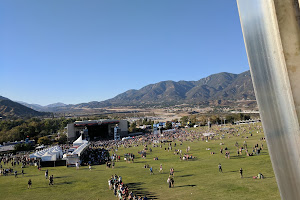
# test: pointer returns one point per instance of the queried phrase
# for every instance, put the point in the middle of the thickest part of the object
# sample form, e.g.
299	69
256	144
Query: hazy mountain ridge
221	86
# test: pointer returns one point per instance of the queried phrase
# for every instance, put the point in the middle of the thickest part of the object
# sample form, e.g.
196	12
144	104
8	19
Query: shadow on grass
62	177
65	183
138	189
32	188
187	175
186	186
233	171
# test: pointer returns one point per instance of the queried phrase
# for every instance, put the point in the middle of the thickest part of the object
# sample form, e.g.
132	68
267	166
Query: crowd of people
94	156
121	191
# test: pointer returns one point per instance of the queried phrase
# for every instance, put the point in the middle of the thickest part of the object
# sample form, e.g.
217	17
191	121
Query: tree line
33	128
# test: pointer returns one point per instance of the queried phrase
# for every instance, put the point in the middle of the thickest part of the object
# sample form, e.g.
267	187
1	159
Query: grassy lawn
194	179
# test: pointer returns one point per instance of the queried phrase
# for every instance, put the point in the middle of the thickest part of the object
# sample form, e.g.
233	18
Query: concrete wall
123	125
71	132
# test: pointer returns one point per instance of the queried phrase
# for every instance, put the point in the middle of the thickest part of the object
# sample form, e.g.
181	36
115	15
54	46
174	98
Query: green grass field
194	179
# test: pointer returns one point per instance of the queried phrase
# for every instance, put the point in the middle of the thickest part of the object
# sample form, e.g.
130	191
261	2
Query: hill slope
10	108
221	86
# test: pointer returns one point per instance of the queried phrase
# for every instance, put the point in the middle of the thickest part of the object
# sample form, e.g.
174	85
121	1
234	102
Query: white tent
48	157
80	149
57	153
33	155
49	154
79	141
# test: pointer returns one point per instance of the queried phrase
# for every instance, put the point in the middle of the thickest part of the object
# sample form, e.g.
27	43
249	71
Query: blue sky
75	51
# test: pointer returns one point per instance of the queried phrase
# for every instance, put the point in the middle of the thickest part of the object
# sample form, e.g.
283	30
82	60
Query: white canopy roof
48	157
79	141
49	154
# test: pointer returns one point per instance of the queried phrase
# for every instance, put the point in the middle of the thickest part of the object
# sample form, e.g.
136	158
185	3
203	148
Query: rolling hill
10	108
222	86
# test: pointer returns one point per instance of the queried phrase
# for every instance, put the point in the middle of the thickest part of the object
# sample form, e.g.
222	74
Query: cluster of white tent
50	154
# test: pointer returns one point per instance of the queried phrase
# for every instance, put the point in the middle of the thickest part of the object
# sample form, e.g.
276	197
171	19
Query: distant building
103	129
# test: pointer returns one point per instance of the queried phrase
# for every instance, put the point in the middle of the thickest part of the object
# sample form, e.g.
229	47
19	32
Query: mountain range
222	86
9	108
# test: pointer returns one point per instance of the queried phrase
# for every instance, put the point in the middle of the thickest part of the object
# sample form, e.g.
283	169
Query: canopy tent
33	155
57	153
79	141
80	149
49	154
48	157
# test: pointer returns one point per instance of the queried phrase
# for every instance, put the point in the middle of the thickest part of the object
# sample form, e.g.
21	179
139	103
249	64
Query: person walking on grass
169	182
151	170
220	167
29	183
46	174
160	168
51	180
172	181
241	172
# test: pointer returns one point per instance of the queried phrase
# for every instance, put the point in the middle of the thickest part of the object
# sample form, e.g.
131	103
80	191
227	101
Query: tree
202	119
193	120
184	120
23	147
168	125
44	140
132	127
62	139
